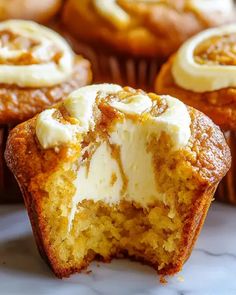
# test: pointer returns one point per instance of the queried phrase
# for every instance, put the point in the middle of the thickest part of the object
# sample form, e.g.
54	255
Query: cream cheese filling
130	175
132	139
190	75
36	75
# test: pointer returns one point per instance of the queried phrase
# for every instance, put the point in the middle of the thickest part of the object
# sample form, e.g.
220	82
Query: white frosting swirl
44	74
196	77
50	132
79	103
136	104
175	120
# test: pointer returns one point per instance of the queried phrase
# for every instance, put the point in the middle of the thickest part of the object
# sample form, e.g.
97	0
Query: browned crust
208	154
218	105
18	104
192	229
166	26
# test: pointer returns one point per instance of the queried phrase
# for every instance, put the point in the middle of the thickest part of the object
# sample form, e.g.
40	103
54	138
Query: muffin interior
154	232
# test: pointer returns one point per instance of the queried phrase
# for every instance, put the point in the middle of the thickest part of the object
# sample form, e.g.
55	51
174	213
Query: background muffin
41	11
202	74
90	192
128	40
37	69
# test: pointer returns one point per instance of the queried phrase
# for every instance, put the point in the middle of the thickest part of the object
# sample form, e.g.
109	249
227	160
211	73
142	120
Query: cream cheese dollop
79	103
52	133
135	104
44	74
196	77
104	180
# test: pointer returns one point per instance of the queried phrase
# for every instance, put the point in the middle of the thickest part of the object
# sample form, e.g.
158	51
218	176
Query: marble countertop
211	269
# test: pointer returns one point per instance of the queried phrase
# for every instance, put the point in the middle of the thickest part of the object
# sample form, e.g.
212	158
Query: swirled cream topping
135	104
32	55
174	120
206	62
51	132
112	11
80	103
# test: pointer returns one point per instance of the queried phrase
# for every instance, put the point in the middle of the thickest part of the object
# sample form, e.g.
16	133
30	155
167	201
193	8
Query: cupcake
41	11
37	69
91	193
128	40
203	75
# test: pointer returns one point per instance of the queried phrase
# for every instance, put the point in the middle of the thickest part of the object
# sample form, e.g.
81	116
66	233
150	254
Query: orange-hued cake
112	172
202	74
37	69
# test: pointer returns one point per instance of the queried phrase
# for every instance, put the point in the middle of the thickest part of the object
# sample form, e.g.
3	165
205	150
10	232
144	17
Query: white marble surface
211	270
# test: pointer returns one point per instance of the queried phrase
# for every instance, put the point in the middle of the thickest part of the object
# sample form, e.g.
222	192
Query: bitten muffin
37	69
203	74
91	193
40	11
127	40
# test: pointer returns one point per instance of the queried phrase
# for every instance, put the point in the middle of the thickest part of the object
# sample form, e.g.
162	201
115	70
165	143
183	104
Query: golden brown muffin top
202	74
19	104
203	148
32	55
143	28
37	68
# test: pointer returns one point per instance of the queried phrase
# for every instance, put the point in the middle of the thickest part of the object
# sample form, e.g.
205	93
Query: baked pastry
91	193
37	69
132	38
202	74
40	11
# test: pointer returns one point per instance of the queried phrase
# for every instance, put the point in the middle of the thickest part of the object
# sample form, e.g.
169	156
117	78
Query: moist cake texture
113	172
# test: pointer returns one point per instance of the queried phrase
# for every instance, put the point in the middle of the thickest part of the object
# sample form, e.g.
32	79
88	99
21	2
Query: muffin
37	69
40	11
92	194
128	40
202	74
